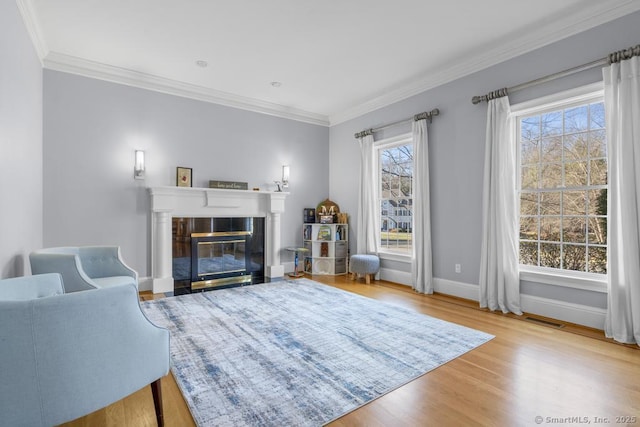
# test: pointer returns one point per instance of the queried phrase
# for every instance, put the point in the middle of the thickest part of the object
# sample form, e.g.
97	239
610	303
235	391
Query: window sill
391	256
548	276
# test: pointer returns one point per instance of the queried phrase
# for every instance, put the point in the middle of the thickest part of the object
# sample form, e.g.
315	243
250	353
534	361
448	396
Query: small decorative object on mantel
327	211
343	218
183	177
229	185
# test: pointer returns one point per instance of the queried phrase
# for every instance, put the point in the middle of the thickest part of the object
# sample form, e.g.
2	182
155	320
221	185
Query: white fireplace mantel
169	202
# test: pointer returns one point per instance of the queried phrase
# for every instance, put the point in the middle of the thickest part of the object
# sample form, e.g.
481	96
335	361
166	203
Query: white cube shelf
328	246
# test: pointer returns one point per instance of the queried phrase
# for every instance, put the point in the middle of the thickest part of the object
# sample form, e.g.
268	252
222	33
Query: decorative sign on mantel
230	185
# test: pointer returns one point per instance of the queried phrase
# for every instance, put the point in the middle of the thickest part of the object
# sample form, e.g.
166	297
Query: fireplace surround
170	202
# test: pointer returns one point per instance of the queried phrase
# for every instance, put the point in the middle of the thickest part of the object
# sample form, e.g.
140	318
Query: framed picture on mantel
183	177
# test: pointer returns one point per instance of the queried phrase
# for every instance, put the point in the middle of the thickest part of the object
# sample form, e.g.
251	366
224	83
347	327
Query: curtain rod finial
363	133
476	100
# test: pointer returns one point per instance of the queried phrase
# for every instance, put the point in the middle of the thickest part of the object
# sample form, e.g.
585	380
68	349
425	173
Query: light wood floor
564	375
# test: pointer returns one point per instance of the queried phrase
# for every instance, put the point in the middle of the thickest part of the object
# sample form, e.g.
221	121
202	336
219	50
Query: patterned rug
297	353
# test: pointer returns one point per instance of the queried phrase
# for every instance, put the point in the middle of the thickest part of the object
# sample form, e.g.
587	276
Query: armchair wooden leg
157	401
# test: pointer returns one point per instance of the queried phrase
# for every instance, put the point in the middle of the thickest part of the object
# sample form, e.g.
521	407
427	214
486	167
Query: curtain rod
427	115
609	59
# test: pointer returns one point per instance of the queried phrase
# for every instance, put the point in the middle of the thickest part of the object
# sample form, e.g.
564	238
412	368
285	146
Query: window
563	186
395	160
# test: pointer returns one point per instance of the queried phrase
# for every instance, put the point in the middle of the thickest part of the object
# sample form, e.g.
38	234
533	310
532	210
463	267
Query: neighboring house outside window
563	188
395	160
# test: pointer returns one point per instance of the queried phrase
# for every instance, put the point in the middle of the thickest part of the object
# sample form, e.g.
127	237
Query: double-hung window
563	187
395	195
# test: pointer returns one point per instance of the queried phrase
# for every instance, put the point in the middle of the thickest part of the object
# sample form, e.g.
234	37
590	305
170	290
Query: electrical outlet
458	268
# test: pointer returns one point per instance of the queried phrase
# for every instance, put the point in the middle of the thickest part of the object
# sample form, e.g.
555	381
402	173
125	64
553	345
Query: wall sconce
285	176
138	168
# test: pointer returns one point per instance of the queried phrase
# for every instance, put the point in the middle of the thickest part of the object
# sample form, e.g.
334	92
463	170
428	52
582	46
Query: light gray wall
92	128
20	144
456	146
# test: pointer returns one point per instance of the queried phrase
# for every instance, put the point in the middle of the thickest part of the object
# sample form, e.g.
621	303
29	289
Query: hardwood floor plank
528	370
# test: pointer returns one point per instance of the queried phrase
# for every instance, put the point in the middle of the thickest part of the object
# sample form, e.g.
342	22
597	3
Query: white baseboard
584	315
456	289
290	265
395	276
579	314
592	317
274	271
145	284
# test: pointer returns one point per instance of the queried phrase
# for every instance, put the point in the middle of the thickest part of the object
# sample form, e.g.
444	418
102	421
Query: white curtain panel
421	270
622	111
499	281
368	221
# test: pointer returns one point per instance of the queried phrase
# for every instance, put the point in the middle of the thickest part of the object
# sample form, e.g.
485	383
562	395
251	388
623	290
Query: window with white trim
395	195
563	186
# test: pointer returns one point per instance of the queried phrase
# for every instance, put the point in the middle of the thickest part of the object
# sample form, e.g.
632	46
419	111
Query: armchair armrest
104	261
31	287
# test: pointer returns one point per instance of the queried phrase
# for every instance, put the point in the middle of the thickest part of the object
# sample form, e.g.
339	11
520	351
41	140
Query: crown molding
74	65
582	20
25	7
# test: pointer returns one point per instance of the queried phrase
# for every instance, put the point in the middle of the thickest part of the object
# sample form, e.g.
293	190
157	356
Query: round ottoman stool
364	264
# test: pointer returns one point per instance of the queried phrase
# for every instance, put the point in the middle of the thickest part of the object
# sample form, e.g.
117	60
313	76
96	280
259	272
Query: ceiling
332	60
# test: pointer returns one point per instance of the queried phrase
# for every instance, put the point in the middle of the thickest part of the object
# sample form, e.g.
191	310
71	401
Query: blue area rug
297	353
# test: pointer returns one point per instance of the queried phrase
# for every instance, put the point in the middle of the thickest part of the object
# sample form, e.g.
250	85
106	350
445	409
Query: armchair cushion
107	282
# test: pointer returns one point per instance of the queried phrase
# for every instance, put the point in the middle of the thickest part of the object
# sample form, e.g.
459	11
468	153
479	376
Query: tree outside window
563	189
396	199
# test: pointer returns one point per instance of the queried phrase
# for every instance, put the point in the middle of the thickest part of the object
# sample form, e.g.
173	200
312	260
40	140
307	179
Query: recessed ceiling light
202	63
276	84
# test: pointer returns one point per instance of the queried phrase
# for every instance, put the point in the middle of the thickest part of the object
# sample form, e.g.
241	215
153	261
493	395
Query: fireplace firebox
214	253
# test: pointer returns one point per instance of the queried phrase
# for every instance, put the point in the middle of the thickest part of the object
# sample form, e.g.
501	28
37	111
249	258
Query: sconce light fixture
285	176
138	168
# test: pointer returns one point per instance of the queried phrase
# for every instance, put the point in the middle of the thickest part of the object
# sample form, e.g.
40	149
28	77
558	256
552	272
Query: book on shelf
324	233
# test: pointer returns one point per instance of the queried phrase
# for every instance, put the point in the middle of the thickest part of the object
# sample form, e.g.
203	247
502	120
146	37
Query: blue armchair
64	356
84	267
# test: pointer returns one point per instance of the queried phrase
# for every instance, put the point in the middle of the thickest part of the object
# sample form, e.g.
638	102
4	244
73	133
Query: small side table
296	273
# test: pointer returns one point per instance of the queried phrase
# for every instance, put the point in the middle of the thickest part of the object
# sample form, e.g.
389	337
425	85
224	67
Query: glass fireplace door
221	258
